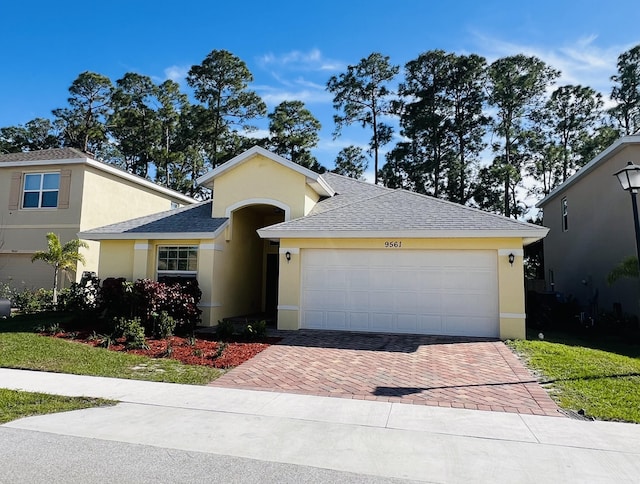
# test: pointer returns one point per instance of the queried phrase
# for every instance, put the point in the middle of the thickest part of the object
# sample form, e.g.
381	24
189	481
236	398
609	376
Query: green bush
132	331
225	329
34	301
164	325
7	292
81	296
255	330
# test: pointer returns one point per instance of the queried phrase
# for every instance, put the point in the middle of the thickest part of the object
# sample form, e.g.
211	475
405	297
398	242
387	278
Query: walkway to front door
467	373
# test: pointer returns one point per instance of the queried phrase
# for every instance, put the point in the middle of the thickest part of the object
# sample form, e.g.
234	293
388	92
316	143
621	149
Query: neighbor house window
177	262
41	190
565	215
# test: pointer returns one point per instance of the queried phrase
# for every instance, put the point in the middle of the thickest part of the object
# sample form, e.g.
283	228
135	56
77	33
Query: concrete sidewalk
366	437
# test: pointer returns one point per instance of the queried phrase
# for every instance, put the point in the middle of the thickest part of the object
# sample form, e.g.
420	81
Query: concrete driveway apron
469	373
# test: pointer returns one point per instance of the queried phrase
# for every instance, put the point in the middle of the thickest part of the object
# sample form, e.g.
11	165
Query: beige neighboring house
65	191
590	221
332	253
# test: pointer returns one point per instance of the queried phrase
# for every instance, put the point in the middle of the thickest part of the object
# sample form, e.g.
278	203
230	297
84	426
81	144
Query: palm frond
627	268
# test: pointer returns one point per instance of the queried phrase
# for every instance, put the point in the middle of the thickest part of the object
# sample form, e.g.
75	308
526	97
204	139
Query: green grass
14	404
22	349
599	376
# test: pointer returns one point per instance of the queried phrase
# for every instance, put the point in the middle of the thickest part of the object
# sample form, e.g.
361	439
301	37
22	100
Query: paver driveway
428	370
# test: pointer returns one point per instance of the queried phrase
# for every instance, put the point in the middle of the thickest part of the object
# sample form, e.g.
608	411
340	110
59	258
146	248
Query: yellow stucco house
330	252
65	191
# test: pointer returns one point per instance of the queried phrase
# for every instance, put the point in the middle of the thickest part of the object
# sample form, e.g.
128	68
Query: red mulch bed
198	351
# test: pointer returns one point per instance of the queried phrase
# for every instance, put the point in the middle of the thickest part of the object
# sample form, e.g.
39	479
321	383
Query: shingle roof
348	190
193	219
44	155
401	212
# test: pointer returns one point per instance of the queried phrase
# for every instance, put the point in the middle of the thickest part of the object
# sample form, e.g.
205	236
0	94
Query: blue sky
292	48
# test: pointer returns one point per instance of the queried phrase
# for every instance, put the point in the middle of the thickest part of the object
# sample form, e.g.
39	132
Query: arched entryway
253	274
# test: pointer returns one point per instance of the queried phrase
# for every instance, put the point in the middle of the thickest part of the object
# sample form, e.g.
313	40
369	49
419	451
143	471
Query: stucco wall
600	234
96	198
108	199
260	179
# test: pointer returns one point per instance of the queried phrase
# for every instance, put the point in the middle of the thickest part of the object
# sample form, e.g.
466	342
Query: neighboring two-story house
330	252
65	191
591	230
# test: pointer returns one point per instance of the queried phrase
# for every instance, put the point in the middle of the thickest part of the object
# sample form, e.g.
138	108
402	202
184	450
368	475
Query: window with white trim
177	262
40	190
565	215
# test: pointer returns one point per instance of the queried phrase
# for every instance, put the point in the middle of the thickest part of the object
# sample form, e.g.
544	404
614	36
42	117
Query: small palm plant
61	257
627	268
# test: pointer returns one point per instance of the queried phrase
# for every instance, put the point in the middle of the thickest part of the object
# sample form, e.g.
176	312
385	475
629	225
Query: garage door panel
380	300
358	279
430	324
407	323
338	278
314	319
357	301
407	291
337	320
315	277
359	321
429	303
406	302
380	278
462	325
380	321
430	279
406	280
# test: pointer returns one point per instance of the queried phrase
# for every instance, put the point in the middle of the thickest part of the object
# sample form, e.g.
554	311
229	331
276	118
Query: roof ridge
356	180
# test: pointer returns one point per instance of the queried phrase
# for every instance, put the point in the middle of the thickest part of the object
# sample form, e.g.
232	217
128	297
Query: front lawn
598	376
15	404
21	347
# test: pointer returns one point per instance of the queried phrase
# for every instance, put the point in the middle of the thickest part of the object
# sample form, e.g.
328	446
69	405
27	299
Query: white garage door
401	291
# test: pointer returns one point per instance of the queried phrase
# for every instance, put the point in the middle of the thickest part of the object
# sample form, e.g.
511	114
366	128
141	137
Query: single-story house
591	230
331	252
65	191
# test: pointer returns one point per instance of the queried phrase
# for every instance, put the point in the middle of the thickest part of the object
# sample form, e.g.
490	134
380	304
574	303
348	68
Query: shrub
255	330
164	325
7	292
116	297
33	301
81	296
225	329
179	300
132	331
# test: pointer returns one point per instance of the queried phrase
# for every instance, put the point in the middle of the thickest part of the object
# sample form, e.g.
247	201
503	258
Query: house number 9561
392	244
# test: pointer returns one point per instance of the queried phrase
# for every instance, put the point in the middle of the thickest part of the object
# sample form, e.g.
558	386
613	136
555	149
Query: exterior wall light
512	258
287	256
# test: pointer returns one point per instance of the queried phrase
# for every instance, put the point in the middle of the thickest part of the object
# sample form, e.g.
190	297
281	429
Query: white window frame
41	190
565	214
176	272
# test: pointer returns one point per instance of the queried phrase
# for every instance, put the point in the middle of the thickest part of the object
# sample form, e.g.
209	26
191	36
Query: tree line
452	113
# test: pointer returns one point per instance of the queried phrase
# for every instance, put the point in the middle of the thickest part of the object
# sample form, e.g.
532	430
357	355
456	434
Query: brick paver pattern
469	373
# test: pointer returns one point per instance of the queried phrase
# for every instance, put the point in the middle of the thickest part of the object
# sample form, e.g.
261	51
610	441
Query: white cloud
299	60
176	73
581	61
274	95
